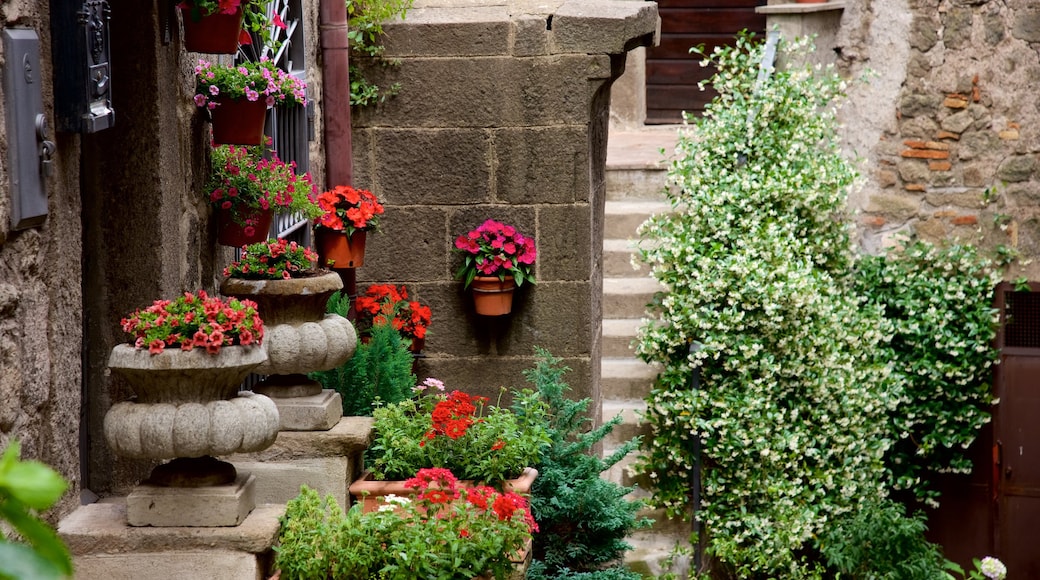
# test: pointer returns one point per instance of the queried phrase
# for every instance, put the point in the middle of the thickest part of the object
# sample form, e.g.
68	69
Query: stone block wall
40	295
502	114
950	121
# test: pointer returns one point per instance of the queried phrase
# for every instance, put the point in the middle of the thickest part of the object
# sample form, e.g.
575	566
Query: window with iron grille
287	125
1022	319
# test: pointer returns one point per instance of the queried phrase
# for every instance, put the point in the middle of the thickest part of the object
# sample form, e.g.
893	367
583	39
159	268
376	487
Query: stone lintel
522	28
210	506
101	528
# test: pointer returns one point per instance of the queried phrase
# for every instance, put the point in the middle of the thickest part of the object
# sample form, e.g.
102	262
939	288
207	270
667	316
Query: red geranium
387	303
348	210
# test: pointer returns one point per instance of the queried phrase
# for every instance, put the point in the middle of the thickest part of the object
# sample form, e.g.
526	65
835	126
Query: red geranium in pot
497	258
340	231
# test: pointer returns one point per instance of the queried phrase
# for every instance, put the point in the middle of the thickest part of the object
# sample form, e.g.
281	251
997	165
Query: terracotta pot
214	34
417	345
339	251
232	234
369	491
238	121
491	296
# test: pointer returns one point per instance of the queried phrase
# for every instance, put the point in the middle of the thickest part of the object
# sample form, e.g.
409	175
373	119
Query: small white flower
993	568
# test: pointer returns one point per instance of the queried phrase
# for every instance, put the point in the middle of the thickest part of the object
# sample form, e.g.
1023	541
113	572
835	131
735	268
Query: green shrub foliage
880	542
940	303
380	370
756	258
583	519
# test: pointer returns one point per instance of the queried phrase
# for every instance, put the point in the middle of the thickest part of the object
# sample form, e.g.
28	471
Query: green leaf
20	562
33	484
40	535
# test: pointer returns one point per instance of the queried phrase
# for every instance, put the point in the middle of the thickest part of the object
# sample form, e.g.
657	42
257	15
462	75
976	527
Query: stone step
620	260
626	183
631	421
628	297
618	335
626	378
623	218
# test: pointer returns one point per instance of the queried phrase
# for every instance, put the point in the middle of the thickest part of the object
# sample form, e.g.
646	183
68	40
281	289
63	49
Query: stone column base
209	506
318	412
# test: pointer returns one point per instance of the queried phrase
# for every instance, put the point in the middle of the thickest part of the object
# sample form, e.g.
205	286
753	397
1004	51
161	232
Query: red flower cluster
348	209
242	181
453	416
437	485
386	303
496	249
272	260
195	321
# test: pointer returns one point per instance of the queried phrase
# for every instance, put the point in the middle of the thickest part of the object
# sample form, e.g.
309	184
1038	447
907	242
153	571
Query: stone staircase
636	170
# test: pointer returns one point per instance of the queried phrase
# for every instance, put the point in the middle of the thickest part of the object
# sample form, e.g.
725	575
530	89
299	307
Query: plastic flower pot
338	251
238	121
492	296
214	34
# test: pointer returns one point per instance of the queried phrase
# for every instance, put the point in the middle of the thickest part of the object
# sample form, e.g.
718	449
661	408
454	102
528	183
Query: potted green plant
496	259
219	26
456	431
443	533
237	97
340	231
388	303
245	189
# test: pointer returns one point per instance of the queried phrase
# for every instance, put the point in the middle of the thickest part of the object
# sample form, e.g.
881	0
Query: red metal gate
672	73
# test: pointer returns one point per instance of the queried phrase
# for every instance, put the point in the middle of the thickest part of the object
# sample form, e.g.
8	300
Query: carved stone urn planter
188	408
300	338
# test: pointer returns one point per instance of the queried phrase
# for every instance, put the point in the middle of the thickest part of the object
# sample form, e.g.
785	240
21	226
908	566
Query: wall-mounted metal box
29	148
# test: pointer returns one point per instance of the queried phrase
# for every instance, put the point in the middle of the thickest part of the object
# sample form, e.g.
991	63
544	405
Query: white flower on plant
993	568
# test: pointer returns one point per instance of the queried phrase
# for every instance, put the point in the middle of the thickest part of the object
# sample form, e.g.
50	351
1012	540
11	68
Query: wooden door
995	511
672	73
1016	427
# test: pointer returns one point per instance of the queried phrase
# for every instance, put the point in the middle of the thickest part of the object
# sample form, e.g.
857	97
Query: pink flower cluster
249	80
195	321
495	248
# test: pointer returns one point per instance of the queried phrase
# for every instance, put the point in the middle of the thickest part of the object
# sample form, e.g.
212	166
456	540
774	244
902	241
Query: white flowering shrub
793	406
940	301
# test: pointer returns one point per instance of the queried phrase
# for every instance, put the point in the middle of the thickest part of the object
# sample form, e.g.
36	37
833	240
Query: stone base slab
314	413
211	506
279	481
104	547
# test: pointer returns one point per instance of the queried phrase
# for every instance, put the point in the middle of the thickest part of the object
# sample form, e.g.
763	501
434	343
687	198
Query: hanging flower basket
216	33
337	250
257	225
238	121
492	296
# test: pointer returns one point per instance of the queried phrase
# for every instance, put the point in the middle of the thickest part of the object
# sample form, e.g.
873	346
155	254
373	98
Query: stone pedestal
303	406
103	546
326	461
207	506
